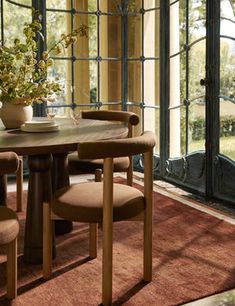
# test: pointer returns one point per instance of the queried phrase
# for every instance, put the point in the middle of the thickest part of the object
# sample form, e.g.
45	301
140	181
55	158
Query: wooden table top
62	141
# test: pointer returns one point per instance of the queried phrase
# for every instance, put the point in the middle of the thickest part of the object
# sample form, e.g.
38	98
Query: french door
197	100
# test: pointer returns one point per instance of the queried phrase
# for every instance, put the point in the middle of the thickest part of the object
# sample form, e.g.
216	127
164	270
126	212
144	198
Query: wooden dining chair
9	229
11	163
95	166
108	202
9	226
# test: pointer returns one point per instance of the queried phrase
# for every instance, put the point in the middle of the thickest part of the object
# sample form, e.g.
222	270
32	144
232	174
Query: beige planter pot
13	115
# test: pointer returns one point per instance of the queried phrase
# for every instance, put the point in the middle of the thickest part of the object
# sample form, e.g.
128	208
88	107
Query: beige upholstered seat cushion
9	162
76	165
9	225
83	202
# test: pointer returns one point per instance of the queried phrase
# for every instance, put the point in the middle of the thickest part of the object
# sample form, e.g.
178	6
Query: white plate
40	122
39	129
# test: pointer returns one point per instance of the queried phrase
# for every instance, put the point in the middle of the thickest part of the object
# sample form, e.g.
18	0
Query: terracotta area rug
193	257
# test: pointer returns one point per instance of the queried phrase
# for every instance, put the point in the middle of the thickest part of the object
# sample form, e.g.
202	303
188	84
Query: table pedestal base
41	169
39	191
60	179
3	190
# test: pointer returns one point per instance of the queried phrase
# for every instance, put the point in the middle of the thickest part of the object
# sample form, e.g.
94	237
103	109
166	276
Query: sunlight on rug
193	257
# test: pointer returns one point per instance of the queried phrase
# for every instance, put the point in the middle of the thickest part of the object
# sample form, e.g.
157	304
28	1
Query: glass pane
177	132
150	4
134	81
197	125
197	63
61	69
227	68
14	29
135	36
227	128
92	5
93	81
134	6
152	123
86	46
177	62
110	37
151	34
177	26
60	22
111	6
110	81
187	67
151	83
227	81
92	36
24	2
227	18
58	4
177	80
197	20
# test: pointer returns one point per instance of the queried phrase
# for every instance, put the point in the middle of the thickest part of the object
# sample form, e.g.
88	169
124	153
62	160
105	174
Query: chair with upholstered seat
10	163
108	202
9	229
9	225
121	164
95	166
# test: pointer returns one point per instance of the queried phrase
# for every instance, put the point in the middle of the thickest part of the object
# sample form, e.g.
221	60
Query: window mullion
40	6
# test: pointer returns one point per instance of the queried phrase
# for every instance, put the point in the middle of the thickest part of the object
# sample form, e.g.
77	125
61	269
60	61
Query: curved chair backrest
9	162
127	117
110	149
117	147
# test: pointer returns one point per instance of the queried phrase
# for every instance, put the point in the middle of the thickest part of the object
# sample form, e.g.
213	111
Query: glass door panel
187	97
225	162
227	81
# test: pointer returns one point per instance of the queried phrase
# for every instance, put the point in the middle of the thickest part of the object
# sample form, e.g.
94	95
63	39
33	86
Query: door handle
204	82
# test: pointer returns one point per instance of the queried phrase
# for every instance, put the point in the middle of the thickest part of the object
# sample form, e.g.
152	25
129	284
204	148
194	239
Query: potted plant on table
23	78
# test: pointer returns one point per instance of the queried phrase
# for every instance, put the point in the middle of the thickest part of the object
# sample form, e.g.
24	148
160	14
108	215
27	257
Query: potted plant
23	78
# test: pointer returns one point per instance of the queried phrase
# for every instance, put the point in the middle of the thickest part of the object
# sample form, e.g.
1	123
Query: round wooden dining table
47	162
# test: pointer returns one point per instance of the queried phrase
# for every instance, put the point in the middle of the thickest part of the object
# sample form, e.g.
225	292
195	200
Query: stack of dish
40	125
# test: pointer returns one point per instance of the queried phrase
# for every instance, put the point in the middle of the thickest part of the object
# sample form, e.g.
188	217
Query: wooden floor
223	299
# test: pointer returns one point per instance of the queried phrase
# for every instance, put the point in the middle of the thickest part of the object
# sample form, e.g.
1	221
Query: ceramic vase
13	115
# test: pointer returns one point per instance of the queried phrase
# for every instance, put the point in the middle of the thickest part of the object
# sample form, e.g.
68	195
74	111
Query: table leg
3	190
39	190
60	178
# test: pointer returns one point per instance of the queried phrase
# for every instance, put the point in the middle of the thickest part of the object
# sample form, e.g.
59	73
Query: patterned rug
193	257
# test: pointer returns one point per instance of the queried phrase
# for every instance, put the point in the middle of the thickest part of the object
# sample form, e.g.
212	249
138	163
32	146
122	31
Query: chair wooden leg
93	235
107	265
129	173
98	175
93	227
19	186
147	249
47	241
148	226
12	269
